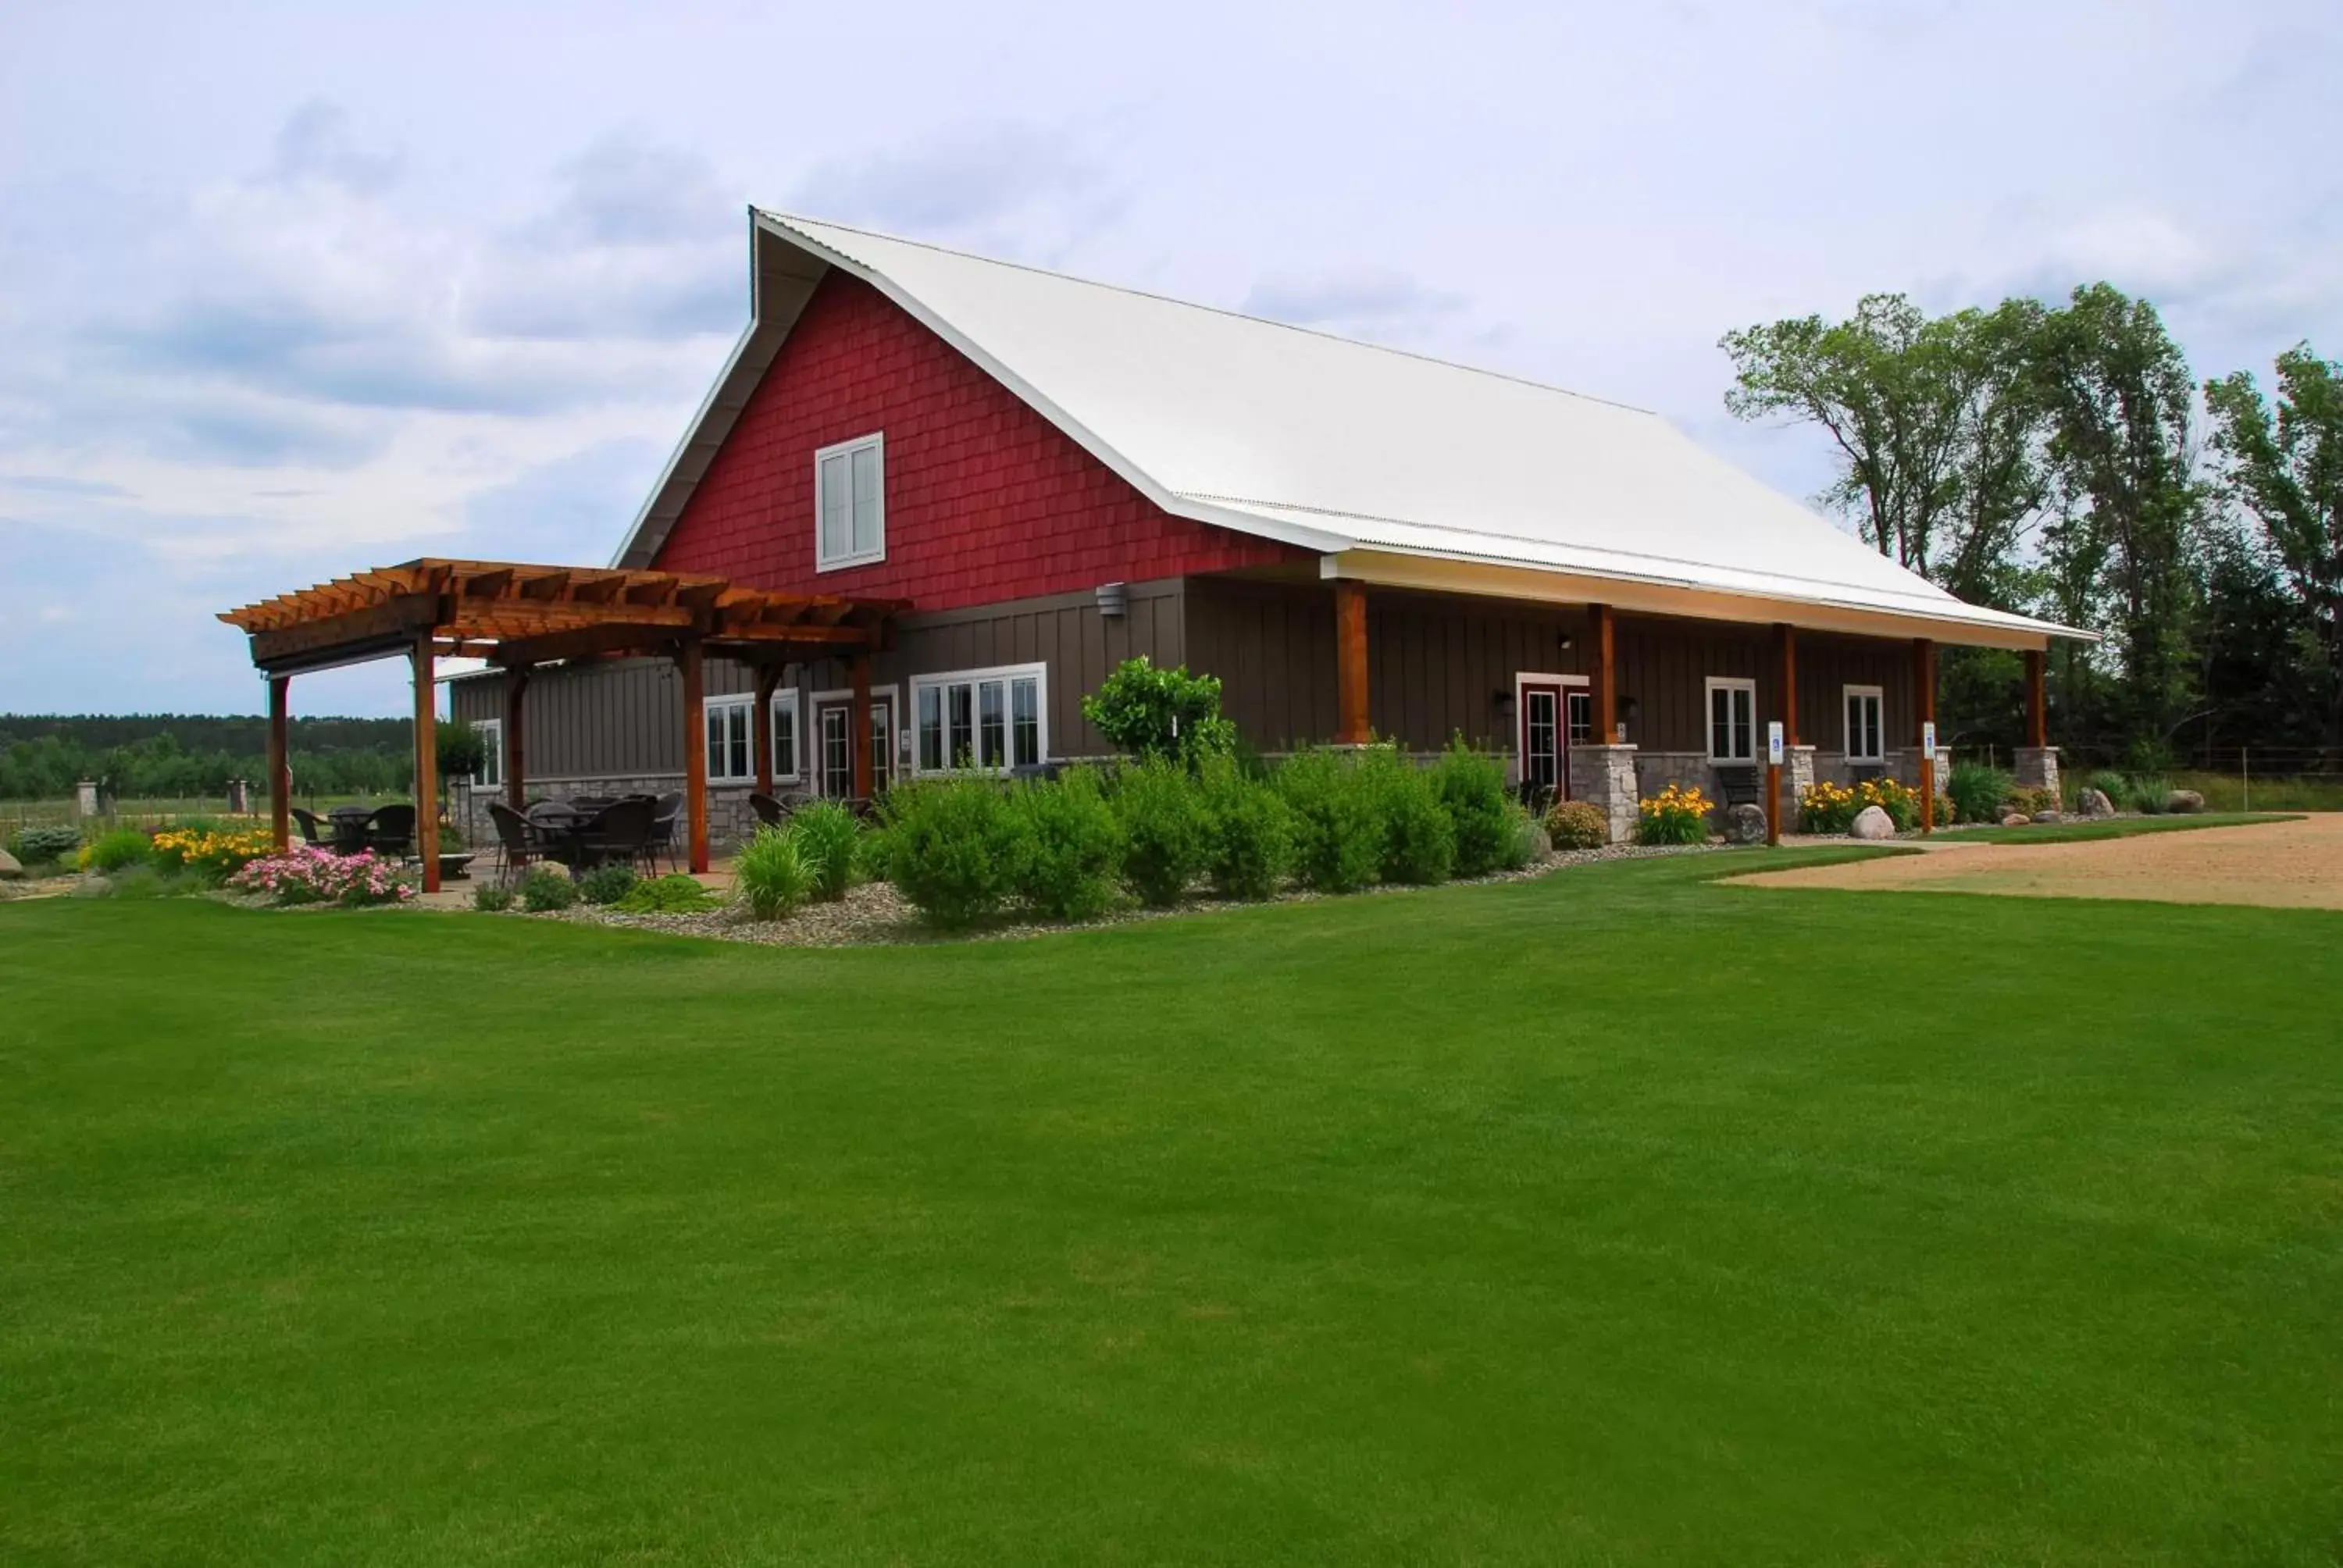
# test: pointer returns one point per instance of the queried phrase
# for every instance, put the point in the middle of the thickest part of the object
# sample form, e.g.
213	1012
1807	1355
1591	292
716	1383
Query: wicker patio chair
390	831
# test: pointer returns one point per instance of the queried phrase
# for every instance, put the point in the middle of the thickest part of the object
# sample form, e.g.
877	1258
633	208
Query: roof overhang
1964	625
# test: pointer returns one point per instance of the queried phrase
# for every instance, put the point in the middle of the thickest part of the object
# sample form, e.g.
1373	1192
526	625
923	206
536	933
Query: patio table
349	824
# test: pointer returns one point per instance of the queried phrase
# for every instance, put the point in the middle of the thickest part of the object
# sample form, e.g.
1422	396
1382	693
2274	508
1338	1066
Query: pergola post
426	763
1606	678
860	667
1924	706
280	764
695	748
768	676
515	746
1350	723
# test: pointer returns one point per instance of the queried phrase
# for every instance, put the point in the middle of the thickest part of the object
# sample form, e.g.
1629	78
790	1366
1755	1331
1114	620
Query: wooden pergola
519	618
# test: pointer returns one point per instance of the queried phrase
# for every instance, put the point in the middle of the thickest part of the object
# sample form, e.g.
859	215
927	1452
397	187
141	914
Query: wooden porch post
515	746
695	748
1606	679
1786	641
2037	698
280	764
860	668
1350	724
1924	704
768	676
426	763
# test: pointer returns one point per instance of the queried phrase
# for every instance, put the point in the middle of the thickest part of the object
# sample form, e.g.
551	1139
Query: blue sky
289	290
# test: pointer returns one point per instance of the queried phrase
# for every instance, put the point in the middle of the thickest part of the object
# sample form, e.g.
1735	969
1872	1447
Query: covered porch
520	619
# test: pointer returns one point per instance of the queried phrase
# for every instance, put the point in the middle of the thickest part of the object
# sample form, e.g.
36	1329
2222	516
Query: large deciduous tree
2287	472
2118	401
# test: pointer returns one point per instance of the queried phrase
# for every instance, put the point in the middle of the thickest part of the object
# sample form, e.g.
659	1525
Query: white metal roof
1339	447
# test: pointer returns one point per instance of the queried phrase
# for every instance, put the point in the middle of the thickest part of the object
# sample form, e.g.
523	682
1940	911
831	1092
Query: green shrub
1249	851
673	894
955	848
1147	712
145	882
2032	800
828	840
39	843
1525	837
771	875
118	850
1470	786
1978	791
607	884
1166	835
2147	793
492	898
1074	846
547	888
2114	786
1338	823
1577	825
1419	839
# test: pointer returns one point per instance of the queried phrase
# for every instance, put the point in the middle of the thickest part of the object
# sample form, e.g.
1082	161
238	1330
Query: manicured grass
1614	1218
2112	827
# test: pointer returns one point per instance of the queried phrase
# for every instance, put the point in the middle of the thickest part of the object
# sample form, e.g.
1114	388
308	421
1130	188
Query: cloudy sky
287	290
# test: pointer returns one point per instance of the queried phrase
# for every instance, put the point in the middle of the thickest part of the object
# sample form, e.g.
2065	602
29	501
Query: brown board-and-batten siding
1442	665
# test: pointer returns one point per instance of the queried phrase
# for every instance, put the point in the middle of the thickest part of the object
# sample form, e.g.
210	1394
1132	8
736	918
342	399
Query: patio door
1544	741
834	746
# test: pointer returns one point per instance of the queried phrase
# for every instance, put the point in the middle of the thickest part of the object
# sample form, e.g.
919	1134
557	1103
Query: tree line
176	755
2062	461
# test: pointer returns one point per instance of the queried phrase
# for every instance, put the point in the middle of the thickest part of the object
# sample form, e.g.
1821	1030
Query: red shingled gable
986	500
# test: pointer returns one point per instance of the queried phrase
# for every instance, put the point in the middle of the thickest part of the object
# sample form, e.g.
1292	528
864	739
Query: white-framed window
1581	707
849	503
491	775
731	739
1732	720
987	720
785	736
1864	732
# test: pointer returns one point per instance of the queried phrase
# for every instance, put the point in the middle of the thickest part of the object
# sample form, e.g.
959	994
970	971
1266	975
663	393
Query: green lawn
2112	827
1613	1217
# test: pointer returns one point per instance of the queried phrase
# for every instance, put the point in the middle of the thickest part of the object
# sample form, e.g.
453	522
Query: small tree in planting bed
1147	712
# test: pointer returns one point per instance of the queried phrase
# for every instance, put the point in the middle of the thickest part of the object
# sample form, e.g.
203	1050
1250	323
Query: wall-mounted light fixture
1113	600
1502	699
1565	642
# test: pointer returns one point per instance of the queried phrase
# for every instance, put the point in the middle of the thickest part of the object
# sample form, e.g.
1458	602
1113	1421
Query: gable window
849	503
988	719
491	775
731	745
1863	727
1732	720
785	736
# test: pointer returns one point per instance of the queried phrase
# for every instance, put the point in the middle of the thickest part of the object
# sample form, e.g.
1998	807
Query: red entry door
1544	741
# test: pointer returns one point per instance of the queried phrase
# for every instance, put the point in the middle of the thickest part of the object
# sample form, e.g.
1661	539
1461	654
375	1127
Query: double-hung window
1732	720
986	719
785	736
1864	732
491	775
849	503
731	740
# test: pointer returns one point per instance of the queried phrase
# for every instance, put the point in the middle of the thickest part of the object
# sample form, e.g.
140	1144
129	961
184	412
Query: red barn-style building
1055	475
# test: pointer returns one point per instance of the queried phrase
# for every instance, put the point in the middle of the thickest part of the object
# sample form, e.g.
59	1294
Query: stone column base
1605	777
2037	767
1797	777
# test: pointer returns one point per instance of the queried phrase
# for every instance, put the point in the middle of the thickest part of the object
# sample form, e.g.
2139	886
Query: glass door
1542	741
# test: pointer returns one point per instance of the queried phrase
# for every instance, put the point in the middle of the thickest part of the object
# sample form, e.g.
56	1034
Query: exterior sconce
1113	600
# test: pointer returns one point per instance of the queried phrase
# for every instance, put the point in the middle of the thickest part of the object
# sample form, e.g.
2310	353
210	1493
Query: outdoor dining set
590	830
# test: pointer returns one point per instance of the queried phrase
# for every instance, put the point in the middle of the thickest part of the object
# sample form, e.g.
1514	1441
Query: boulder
2044	816
2184	802
1871	822
2094	803
1745	824
2015	820
11	868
